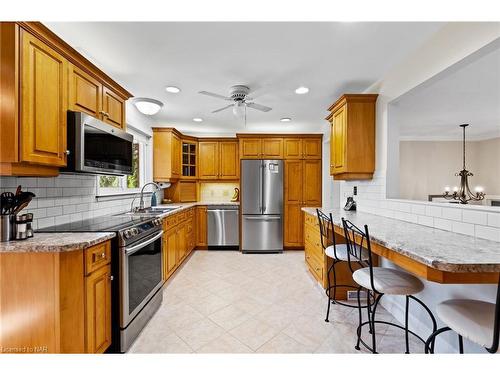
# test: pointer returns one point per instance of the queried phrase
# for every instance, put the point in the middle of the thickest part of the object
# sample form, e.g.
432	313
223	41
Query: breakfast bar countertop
436	248
55	242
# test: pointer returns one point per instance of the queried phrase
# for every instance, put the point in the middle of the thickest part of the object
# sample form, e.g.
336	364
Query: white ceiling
271	58
466	93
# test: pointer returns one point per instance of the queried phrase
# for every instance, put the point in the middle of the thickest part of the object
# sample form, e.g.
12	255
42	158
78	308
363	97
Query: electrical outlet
355	190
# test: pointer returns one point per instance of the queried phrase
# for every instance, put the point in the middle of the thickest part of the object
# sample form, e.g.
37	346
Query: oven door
140	276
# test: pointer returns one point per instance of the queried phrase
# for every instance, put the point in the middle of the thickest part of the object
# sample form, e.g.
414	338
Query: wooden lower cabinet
98	310
318	263
56	302
169	252
201	226
179	240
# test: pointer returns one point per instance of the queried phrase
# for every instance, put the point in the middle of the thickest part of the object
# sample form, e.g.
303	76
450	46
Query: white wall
448	46
426	167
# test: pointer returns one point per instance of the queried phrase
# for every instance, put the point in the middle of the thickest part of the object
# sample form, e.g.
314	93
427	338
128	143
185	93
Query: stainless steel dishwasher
223	227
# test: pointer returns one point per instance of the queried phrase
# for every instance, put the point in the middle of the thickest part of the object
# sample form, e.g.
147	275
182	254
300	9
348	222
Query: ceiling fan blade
223	108
259	107
214	95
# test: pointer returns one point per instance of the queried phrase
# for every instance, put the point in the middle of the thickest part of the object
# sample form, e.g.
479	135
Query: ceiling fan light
239	109
148	106
301	90
173	89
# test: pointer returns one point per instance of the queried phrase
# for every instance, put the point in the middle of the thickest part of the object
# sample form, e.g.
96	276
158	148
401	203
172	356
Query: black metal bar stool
337	253
378	281
478	321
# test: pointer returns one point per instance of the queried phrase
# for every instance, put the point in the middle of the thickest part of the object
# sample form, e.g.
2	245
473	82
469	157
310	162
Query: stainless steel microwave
96	147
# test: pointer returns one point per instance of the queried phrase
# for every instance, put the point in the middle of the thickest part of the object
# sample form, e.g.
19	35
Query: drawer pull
97	257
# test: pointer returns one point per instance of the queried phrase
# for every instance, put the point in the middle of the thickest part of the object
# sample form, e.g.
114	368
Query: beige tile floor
228	302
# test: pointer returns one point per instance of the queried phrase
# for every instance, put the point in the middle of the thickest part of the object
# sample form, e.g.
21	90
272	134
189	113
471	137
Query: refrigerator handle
260	187
263	185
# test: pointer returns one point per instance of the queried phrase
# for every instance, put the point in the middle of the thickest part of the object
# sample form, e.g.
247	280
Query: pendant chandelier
463	194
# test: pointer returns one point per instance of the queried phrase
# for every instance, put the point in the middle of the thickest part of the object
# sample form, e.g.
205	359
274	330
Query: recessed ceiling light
173	89
197	119
148	106
301	90
286	119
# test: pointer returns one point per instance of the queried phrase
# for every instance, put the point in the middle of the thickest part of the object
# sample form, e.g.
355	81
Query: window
112	185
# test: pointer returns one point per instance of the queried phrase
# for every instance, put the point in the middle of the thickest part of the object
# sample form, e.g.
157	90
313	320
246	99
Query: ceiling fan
238	95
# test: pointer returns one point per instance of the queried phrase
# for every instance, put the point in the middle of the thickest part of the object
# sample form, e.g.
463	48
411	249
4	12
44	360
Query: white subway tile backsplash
488	233
442	224
463	228
54	211
418	209
474	217
494	220
426	220
452	213
433	211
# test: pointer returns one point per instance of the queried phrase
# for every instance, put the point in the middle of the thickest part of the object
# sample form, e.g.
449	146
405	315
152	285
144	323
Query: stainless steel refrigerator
262	205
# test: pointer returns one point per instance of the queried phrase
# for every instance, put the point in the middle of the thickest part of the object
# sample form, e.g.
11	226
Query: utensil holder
6	228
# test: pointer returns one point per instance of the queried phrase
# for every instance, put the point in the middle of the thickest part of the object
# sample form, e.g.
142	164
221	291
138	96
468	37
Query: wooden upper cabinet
292	148
302	148
311	148
176	156
208	160
43	78
339	140
229	162
44	92
261	147
166	155
250	148
113	108
352	137
84	92
219	160
89	95
272	148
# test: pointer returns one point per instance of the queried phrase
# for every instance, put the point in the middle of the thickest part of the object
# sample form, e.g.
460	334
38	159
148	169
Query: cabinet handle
103	255
102	113
67	152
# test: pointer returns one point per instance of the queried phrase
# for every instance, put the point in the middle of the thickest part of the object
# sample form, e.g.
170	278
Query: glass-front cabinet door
189	152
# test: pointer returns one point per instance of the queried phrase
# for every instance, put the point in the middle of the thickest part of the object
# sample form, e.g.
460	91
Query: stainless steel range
137	261
140	257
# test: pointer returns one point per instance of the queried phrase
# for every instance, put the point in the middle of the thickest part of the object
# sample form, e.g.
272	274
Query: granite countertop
439	249
55	242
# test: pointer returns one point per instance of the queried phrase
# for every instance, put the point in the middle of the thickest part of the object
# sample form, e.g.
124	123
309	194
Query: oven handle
133	249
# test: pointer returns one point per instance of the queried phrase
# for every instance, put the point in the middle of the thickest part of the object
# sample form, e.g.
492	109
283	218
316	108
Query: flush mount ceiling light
148	106
301	90
172	89
286	119
197	119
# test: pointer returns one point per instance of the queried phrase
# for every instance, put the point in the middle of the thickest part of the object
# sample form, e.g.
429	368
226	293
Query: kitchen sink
151	211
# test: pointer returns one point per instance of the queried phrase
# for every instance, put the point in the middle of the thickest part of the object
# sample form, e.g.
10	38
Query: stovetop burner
107	223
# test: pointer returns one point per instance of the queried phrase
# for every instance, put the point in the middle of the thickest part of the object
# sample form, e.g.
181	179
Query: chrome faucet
141	202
